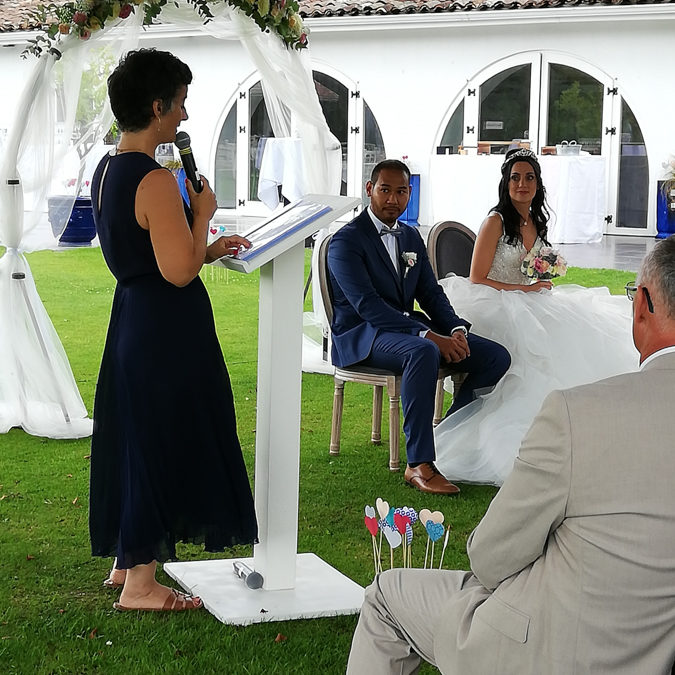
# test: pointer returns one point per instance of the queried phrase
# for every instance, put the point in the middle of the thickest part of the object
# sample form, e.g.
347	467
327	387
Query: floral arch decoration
82	18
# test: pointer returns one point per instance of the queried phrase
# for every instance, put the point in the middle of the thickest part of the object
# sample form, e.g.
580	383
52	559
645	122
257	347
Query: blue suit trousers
418	360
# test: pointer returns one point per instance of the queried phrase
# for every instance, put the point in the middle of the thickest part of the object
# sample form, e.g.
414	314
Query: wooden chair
450	247
378	378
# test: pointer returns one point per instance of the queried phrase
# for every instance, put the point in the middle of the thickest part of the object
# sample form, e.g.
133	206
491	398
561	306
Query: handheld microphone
186	156
251	578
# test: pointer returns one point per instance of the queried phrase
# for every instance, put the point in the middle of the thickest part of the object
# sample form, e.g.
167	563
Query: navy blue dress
166	464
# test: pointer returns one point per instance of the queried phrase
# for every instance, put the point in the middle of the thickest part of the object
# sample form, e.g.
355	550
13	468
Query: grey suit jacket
574	562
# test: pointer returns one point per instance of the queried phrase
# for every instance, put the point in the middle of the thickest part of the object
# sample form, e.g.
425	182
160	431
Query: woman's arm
484	253
180	252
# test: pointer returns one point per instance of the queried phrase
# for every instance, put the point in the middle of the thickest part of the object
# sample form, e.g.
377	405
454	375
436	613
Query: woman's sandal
110	582
176	602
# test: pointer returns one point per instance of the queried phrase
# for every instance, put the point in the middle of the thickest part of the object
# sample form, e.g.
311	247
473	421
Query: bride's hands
538	286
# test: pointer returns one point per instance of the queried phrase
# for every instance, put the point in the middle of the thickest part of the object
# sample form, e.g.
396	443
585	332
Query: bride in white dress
558	338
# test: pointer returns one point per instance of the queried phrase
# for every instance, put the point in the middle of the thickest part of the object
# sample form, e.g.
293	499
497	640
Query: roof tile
15	15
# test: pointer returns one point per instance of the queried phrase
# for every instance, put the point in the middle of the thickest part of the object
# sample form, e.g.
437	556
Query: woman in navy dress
166	463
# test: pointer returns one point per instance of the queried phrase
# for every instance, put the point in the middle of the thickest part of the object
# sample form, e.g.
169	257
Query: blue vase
665	209
180	178
412	212
80	229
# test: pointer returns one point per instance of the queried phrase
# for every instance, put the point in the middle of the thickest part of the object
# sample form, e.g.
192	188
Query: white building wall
410	77
410	69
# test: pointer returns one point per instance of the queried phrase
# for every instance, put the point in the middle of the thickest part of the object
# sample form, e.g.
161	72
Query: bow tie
394	232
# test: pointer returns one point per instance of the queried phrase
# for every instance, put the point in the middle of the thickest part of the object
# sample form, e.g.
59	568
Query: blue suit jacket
370	296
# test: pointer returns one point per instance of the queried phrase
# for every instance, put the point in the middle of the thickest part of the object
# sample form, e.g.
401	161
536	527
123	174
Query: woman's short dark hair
142	77
538	208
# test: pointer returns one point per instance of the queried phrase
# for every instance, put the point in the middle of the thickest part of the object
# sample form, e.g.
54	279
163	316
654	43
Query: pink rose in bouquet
543	263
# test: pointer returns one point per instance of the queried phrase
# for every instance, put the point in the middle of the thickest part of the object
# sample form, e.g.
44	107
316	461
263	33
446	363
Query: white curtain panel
37	388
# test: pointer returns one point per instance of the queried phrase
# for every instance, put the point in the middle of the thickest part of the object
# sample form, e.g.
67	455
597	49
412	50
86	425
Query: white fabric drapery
37	388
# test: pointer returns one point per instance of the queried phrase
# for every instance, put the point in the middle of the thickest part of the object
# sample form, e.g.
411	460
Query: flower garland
81	18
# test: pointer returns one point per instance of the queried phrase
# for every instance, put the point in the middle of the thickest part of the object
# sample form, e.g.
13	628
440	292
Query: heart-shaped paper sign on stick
370	512
437	517
390	517
400	522
382	507
425	515
408	534
434	530
408	511
371	524
393	537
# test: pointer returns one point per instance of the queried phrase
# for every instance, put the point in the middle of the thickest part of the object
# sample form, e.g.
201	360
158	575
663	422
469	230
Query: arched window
574	108
373	148
504	112
334	100
246	125
226	162
260	128
633	174
542	100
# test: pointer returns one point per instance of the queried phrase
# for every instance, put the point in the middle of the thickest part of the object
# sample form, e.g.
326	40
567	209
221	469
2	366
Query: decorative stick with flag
445	545
371	524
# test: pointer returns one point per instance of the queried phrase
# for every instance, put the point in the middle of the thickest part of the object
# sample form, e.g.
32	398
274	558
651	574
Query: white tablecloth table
464	188
281	164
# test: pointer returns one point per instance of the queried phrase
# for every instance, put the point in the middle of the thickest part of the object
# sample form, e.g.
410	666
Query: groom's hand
453	349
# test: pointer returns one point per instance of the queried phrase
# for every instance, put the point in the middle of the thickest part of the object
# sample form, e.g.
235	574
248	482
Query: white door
546	98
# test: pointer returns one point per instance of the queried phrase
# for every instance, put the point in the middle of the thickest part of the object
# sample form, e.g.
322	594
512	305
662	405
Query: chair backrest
450	247
324	285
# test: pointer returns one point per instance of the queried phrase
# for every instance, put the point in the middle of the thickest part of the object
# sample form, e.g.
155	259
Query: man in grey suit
573	565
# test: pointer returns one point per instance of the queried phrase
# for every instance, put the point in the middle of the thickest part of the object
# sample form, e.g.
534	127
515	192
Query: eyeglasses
631	290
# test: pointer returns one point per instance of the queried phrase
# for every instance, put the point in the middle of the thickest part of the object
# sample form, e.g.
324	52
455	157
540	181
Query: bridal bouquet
544	263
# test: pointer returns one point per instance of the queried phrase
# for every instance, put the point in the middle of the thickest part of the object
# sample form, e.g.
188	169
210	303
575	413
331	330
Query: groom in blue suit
378	269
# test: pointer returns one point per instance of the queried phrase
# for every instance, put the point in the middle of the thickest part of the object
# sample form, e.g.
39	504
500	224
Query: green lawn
55	617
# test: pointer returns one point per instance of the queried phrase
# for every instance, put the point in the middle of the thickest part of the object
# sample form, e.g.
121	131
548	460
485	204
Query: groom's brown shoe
426	478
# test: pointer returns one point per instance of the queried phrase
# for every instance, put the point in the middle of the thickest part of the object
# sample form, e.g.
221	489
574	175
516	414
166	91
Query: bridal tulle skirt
557	339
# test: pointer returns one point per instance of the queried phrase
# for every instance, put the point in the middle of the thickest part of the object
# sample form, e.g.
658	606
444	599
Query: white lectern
295	585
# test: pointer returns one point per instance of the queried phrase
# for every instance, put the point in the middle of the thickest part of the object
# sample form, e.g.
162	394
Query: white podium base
320	590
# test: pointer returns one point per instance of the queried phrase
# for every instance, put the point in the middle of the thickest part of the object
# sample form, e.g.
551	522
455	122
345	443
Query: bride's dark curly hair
538	209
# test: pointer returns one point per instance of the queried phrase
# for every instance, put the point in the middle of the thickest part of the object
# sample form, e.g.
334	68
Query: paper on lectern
281	225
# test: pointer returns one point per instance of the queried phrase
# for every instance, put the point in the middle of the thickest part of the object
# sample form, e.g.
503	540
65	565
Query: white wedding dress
557	339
